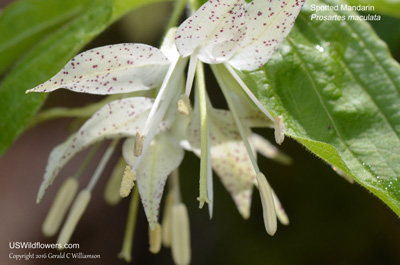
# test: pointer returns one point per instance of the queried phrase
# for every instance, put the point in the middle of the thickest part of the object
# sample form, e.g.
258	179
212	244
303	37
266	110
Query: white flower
237	34
223	33
244	35
232	33
126	68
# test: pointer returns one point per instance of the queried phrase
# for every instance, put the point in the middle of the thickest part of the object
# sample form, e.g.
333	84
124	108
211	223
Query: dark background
331	221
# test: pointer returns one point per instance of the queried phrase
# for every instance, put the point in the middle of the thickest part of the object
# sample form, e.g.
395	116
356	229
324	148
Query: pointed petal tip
152	225
40	194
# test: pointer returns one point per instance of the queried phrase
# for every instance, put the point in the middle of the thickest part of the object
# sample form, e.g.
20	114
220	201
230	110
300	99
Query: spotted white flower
227	34
238	34
234	34
229	157
125	68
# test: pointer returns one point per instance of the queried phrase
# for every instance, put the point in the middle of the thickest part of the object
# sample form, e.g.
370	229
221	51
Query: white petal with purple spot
162	157
119	118
113	69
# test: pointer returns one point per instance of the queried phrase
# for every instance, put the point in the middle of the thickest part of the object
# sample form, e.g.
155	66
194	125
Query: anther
184	106
111	192
58	210
127	182
78	208
138	148
180	234
155	239
279	130
267	202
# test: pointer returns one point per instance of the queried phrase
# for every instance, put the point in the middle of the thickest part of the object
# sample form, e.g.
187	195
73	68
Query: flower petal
229	157
120	68
214	30
264	147
268	23
162	157
117	119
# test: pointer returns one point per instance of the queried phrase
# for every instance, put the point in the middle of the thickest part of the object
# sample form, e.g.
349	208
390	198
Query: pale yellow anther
267	202
127	183
78	208
184	106
180	234
61	203
166	221
279	130
138	148
111	192
155	238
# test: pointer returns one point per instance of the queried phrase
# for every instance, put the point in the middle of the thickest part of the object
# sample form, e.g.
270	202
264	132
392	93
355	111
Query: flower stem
204	162
235	114
130	228
87	160
103	162
248	92
174	186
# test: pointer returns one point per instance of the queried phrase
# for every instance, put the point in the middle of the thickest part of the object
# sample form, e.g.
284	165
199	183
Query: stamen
138	148
102	164
191	72
58	210
225	90
248	91
161	104
267	202
155	239
205	162
263	186
111	192
166	221
126	251
77	210
127	182
180	231
184	105
279	130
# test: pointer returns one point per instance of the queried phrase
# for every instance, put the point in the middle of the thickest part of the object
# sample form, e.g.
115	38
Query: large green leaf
338	89
388	7
48	56
25	22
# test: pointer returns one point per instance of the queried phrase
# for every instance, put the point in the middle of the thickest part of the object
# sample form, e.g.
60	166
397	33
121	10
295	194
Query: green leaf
387	7
23	23
47	57
338	89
